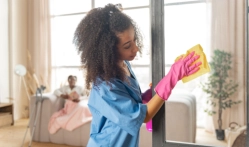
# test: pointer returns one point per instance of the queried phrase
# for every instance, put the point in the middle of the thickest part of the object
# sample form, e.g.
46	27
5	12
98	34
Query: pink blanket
70	117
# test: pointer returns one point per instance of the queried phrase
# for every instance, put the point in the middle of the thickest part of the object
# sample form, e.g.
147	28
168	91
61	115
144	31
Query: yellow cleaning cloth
204	67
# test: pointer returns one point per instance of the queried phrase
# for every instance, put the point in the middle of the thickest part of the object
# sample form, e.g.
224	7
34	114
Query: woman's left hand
76	100
147	95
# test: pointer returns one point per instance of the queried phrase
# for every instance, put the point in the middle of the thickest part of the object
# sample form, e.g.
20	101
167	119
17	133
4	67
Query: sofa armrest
52	101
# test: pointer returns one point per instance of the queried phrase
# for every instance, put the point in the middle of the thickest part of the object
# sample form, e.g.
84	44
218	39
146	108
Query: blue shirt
117	113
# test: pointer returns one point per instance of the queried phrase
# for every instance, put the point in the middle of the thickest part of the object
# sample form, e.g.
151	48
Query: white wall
4	52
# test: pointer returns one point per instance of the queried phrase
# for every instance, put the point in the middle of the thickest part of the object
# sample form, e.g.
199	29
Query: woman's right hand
178	70
183	67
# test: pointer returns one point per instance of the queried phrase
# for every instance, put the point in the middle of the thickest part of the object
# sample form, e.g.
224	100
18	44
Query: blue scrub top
117	113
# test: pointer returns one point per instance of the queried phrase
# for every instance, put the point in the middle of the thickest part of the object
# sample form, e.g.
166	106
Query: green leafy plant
219	87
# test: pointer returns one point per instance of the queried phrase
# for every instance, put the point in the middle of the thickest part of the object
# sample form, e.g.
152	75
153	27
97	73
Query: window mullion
158	64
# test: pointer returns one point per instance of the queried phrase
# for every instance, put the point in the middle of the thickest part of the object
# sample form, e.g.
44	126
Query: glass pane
63	49
179	1
141	64
184	28
69	6
125	3
143	24
143	76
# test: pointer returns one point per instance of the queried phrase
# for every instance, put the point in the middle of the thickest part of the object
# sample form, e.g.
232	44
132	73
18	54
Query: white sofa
180	122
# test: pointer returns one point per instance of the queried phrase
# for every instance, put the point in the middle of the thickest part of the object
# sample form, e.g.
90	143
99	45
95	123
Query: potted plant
219	87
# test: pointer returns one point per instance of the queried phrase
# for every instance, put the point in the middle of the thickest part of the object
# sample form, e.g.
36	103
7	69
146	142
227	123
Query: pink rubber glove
149	126
147	95
177	71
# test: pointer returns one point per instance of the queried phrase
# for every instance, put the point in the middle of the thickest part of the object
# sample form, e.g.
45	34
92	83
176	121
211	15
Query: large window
186	24
184	28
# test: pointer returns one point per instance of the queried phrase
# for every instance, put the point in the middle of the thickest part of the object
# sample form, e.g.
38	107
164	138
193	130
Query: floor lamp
21	71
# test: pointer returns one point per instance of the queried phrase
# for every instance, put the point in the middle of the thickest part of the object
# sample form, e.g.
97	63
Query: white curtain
39	48
228	34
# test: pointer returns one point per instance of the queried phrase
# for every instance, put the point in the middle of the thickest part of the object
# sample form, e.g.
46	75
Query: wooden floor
209	139
12	136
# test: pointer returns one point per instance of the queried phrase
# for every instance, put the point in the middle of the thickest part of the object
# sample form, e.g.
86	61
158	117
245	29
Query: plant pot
220	134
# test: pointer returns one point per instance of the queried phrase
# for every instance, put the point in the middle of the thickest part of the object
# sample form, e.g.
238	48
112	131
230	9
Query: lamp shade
20	70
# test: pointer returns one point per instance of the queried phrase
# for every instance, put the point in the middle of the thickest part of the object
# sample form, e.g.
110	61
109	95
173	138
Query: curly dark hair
96	41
